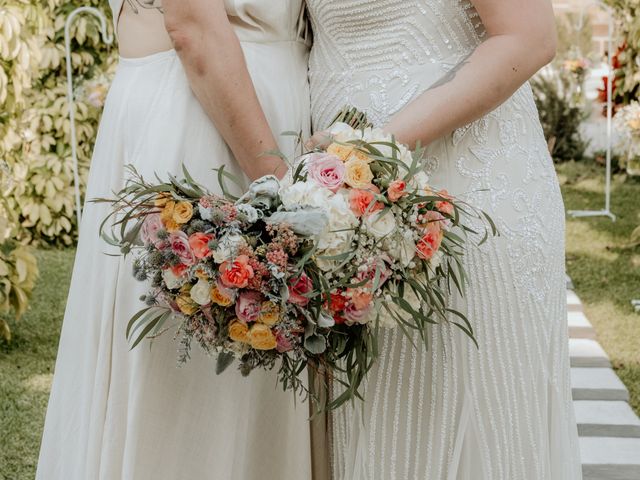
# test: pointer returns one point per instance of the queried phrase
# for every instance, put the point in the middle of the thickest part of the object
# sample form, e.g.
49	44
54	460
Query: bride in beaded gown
452	74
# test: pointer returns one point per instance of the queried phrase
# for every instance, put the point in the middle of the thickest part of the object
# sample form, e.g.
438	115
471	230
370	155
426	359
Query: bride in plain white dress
116	414
450	73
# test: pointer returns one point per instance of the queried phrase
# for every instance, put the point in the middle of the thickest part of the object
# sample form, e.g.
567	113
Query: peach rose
236	274
182	212
262	338
433	221
397	190
343	152
269	313
199	243
360	201
429	244
222	296
358	174
238	332
361	299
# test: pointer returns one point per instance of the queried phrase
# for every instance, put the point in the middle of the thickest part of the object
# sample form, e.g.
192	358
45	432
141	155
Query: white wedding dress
116	414
455	412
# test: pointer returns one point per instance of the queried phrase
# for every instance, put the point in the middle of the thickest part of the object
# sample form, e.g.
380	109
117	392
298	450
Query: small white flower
200	292
380	224
171	280
249	212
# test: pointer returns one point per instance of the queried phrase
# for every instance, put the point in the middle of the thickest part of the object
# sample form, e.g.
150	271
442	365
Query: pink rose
179	243
151	225
370	274
248	306
433	221
444	206
397	190
283	343
326	170
429	245
353	315
299	288
199	243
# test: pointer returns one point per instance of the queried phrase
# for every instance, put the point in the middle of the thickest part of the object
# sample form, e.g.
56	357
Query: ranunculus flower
236	274
362	201
182	212
199	243
151	225
262	338
326	170
248	306
397	190
429	245
201	292
180	246
358	174
443	206
299	288
238	332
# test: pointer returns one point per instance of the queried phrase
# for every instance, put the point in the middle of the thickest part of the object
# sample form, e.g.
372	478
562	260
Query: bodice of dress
379	54
260	21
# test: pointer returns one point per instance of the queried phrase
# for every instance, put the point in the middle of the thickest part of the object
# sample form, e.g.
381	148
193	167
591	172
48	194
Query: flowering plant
304	271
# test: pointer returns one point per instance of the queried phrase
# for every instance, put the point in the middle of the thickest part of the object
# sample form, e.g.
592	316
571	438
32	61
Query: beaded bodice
382	53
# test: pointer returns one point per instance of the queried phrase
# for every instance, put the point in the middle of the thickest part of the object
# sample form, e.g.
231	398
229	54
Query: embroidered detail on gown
116	414
503	411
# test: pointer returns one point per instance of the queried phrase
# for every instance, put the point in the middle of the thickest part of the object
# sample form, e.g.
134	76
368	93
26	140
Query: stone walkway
609	429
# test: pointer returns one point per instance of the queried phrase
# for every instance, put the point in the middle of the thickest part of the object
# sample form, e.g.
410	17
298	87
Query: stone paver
585	352
573	302
606	419
579	326
597	384
608	458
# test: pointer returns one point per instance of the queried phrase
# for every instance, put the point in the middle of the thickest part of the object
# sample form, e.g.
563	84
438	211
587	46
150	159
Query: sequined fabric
502	411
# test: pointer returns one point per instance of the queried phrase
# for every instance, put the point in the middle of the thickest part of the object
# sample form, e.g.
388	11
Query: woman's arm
521	40
213	59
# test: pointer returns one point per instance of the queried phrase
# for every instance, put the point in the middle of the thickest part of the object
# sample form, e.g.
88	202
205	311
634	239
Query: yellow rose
162	199
262	338
167	211
186	304
238	332
269	313
219	299
358	174
359	155
182	212
343	152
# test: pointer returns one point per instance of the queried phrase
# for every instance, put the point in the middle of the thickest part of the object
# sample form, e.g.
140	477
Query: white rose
200	292
402	247
304	194
339	234
343	133
227	247
171	280
380	224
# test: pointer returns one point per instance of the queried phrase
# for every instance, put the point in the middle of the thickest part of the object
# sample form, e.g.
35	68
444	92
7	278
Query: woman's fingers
320	139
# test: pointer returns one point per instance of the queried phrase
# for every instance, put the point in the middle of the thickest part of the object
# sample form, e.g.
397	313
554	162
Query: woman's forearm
486	78
215	66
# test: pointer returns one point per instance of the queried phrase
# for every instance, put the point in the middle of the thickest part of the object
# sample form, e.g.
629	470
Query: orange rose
238	332
358	173
236	274
396	190
445	207
199	243
429	245
269	314
262	338
182	212
360	201
361	299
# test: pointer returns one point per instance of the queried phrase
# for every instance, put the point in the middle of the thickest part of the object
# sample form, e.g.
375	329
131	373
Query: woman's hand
214	62
321	139
521	38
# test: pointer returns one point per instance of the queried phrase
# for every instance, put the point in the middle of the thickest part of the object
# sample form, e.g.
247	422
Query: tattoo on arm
451	74
136	5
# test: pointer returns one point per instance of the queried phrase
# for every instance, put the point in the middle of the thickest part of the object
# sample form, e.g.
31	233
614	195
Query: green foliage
35	138
560	118
627	79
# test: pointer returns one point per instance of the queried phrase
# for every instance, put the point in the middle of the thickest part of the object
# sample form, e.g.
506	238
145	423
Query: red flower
236	274
299	288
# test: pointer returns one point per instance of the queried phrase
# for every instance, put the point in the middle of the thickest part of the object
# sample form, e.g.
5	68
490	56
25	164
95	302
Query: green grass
26	366
606	275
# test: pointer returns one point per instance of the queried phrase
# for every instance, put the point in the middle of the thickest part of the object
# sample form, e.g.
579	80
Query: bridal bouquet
302	272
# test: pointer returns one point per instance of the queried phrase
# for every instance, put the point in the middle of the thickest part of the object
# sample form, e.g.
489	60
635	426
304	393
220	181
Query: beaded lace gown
502	411
116	414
